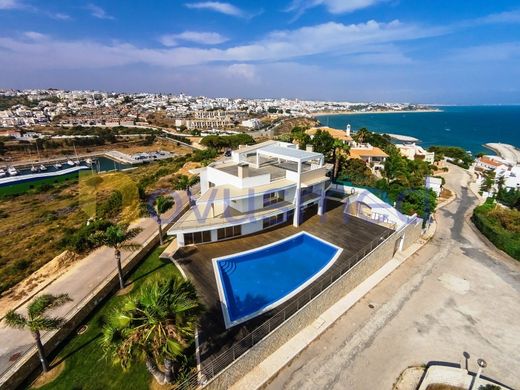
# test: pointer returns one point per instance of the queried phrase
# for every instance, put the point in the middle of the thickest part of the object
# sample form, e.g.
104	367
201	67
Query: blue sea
469	127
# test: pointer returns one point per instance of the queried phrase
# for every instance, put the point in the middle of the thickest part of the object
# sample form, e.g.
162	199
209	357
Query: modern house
412	151
258	187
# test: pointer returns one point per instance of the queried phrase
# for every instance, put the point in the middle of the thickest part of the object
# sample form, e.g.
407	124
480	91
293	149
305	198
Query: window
197	237
306	191
228	232
272	198
271	221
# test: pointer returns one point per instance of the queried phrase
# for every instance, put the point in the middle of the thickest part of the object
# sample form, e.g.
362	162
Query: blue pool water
255	281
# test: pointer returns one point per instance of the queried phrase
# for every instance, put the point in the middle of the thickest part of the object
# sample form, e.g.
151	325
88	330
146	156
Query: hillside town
37	107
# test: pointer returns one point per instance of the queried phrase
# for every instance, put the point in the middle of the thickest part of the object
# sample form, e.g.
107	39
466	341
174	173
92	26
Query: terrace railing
213	366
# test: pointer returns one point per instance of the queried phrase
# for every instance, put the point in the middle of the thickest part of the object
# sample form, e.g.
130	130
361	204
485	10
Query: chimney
309	148
348	130
243	170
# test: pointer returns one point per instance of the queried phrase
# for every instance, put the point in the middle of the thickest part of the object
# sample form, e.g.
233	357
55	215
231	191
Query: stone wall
310	312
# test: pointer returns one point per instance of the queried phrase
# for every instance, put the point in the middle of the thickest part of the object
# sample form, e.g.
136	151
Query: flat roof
292	154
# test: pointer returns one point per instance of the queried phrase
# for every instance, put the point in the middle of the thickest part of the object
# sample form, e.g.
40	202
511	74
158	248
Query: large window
272	198
271	221
197	237
231	231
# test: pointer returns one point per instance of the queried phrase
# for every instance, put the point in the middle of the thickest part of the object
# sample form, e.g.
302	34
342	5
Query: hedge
503	239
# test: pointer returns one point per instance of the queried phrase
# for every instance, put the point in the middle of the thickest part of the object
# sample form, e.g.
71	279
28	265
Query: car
227	153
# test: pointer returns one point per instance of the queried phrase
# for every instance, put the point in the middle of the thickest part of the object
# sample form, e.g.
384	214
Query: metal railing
213	366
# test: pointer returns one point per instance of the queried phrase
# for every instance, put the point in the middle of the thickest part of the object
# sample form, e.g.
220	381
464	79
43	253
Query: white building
253	123
260	186
413	151
434	184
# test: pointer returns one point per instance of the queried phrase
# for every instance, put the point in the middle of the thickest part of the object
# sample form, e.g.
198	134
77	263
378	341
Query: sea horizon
466	126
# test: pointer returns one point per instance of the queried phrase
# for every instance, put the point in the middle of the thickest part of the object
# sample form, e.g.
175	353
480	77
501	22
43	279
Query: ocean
469	127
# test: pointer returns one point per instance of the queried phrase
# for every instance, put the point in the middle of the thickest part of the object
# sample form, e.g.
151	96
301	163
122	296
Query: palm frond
130	246
15	320
45	302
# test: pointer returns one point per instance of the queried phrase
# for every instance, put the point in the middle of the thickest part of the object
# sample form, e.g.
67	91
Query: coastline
323	113
506	151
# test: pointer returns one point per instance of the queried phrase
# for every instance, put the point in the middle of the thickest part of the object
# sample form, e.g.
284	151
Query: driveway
455	295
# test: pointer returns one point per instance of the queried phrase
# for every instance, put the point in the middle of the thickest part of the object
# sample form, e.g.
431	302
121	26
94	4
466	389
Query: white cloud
242	71
334	39
204	38
98	12
217	6
493	52
332	6
11	4
501	17
35	36
60	16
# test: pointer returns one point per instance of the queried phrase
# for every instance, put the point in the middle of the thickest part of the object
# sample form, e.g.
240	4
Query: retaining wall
312	310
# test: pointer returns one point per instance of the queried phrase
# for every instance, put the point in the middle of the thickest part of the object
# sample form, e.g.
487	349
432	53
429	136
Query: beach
506	151
345	112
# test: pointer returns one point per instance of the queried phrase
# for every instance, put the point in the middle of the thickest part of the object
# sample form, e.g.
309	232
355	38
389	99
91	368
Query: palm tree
36	321
161	205
338	148
361	135
183	182
154	326
119	237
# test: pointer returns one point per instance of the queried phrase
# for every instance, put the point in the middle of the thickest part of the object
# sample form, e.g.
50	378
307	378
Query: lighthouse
348	130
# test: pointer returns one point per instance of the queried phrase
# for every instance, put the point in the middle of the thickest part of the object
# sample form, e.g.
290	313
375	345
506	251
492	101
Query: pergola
294	155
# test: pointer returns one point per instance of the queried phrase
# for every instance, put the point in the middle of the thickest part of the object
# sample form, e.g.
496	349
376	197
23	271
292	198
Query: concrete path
506	151
454	295
79	282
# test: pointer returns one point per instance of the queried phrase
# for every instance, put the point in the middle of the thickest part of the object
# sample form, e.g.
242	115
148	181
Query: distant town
43	107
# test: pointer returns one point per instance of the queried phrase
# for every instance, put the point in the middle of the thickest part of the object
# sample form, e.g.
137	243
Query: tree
339	148
361	135
323	143
119	237
36	320
154	327
160	206
183	182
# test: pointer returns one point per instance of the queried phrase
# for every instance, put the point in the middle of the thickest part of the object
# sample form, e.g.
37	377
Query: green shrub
500	226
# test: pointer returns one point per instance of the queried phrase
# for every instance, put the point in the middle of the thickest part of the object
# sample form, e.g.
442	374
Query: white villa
258	187
412	151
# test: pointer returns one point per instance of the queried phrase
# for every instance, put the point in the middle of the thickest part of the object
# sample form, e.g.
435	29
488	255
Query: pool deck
348	232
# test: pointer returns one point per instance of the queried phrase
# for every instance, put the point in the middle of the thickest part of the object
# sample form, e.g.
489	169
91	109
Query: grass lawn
85	366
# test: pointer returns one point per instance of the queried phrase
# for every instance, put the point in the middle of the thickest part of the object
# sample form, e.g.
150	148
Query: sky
434	51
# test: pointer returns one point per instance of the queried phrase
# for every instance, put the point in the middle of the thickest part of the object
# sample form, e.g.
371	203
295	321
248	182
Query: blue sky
449	52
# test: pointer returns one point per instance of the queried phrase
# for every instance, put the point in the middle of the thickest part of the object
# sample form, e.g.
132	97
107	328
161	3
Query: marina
110	161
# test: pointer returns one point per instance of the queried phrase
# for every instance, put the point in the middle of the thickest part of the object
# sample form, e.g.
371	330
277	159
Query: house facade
260	186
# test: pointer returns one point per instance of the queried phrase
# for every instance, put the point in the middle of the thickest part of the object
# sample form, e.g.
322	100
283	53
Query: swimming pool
257	280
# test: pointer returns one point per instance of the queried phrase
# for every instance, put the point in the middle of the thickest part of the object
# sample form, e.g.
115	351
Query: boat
57	165
12	171
2	173
88	161
77	162
34	169
43	168
71	163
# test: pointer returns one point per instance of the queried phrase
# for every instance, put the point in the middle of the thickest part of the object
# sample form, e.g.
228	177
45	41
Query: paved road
79	281
454	295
